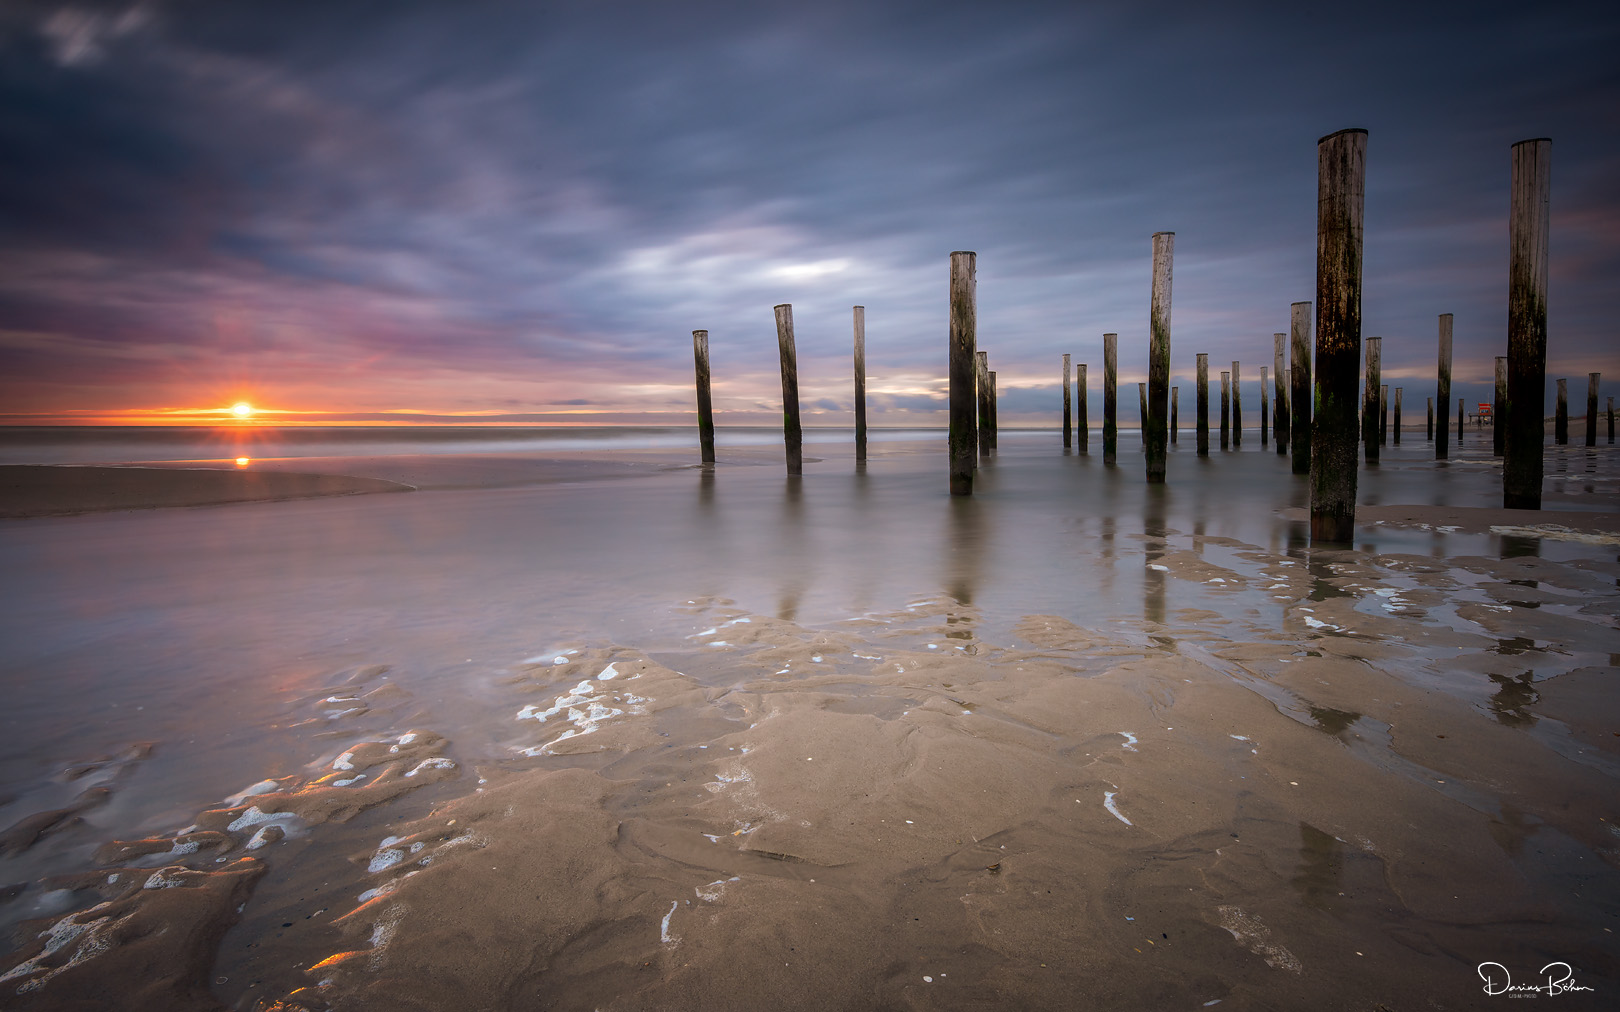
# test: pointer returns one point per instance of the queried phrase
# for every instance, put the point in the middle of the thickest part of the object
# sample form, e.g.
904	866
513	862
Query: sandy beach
1066	745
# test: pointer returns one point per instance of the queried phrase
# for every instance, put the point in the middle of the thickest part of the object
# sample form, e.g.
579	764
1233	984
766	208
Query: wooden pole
1155	421
1383	414
1203	404
1561	415
1067	432
981	381
1081	421
1226	410
1527	323
1369	400
1340	195
1462	415
792	434
1175	403
1299	387
1110	398
1430	431
1265	407
1442	394
1141	413
994	428
1237	408
705	407
1279	400
1397	427
1591	407
1499	408
860	383
964	342
1611	421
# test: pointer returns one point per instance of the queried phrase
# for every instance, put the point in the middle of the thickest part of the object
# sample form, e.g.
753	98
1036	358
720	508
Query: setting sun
242	409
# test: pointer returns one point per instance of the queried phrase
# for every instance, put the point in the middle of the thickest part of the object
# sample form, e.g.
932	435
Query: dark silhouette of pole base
963	346
1370	398
1068	436
1442	393
1082	420
1561	415
1265	408
705	407
860	383
792	434
1226	410
1499	409
1203	404
1527	324
1155	414
1341	187
1237	409
1110	398
1175	404
1591	407
1397	426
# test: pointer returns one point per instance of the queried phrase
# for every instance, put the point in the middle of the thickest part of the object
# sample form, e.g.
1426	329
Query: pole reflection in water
1154	570
964	548
796	571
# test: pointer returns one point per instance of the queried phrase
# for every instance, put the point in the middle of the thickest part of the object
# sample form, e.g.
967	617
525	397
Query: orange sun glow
242	409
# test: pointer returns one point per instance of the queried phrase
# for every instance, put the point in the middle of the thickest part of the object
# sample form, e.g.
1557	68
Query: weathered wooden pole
1155	416
1340	195
994	428
1203	404
1110	398
1175	404
1369	400
1226	409
1265	408
792	434
1237	409
981	382
1082	420
1561	415
1527	323
1591	407
1383	414
964	342
705	407
1299	387
1611	420
1499	408
1141	412
1068	438
1279	400
860	383
1397	426
1442	393
1462	416
1430	435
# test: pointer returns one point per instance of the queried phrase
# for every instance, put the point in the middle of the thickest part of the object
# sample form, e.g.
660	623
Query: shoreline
43	490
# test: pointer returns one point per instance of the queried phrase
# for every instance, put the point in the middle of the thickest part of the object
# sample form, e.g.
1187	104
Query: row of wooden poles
1323	441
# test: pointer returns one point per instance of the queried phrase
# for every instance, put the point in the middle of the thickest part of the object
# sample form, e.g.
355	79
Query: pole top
1157	234
697	332
785	305
860	307
1291	305
963	253
1347	130
1533	140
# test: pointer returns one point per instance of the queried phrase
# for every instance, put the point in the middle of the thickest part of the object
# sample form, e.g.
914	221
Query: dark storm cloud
556	190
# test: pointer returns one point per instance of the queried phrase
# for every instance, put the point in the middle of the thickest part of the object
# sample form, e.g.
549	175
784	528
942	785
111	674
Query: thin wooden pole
1383	414
1299	387
860	383
1611	421
964	342
1081	421
1429	435
1265	407
1442	393
1155	421
1499	408
1561	415
1203	404
1110	398
1397	426
1175	404
1369	400
1591	407
1527	323
1279	401
1141	414
705	407
792	434
1068	439
981	380
1340	195
1226	410
1237	408
1462	415
994	428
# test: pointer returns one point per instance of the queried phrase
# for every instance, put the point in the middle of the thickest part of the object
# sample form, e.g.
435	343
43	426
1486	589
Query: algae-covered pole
1499	408
1141	413
1397	425
1155	421
964	342
1299	387
1082	420
1527	324
1203	404
1591	407
1110	398
1340	192
1175	403
1237	408
1226	409
792	434
1279	403
860	383
705	407
1265	406
1442	393
1561	415
1369	400
1068	438
981	380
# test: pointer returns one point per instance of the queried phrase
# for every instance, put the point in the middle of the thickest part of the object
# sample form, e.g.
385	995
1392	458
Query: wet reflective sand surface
594	728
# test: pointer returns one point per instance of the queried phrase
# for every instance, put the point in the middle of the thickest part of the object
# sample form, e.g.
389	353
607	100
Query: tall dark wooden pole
1175	403
1527	323
1082	421
1226	410
1591	407
1155	423
994	430
1265	407
1430	436
1462	415
1110	398
1279	402
1442	393
1141	412
1369	400
1499	408
1068	438
1203	404
1237	408
1561	415
1383	414
1299	387
1397	426
792	434
964	343
860	383
705	407
981	380
1611	421
1340	195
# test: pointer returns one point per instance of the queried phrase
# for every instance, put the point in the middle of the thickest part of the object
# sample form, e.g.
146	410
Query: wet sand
1256	776
33	490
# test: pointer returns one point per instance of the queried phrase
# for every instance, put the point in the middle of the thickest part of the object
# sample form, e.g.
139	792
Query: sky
518	212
